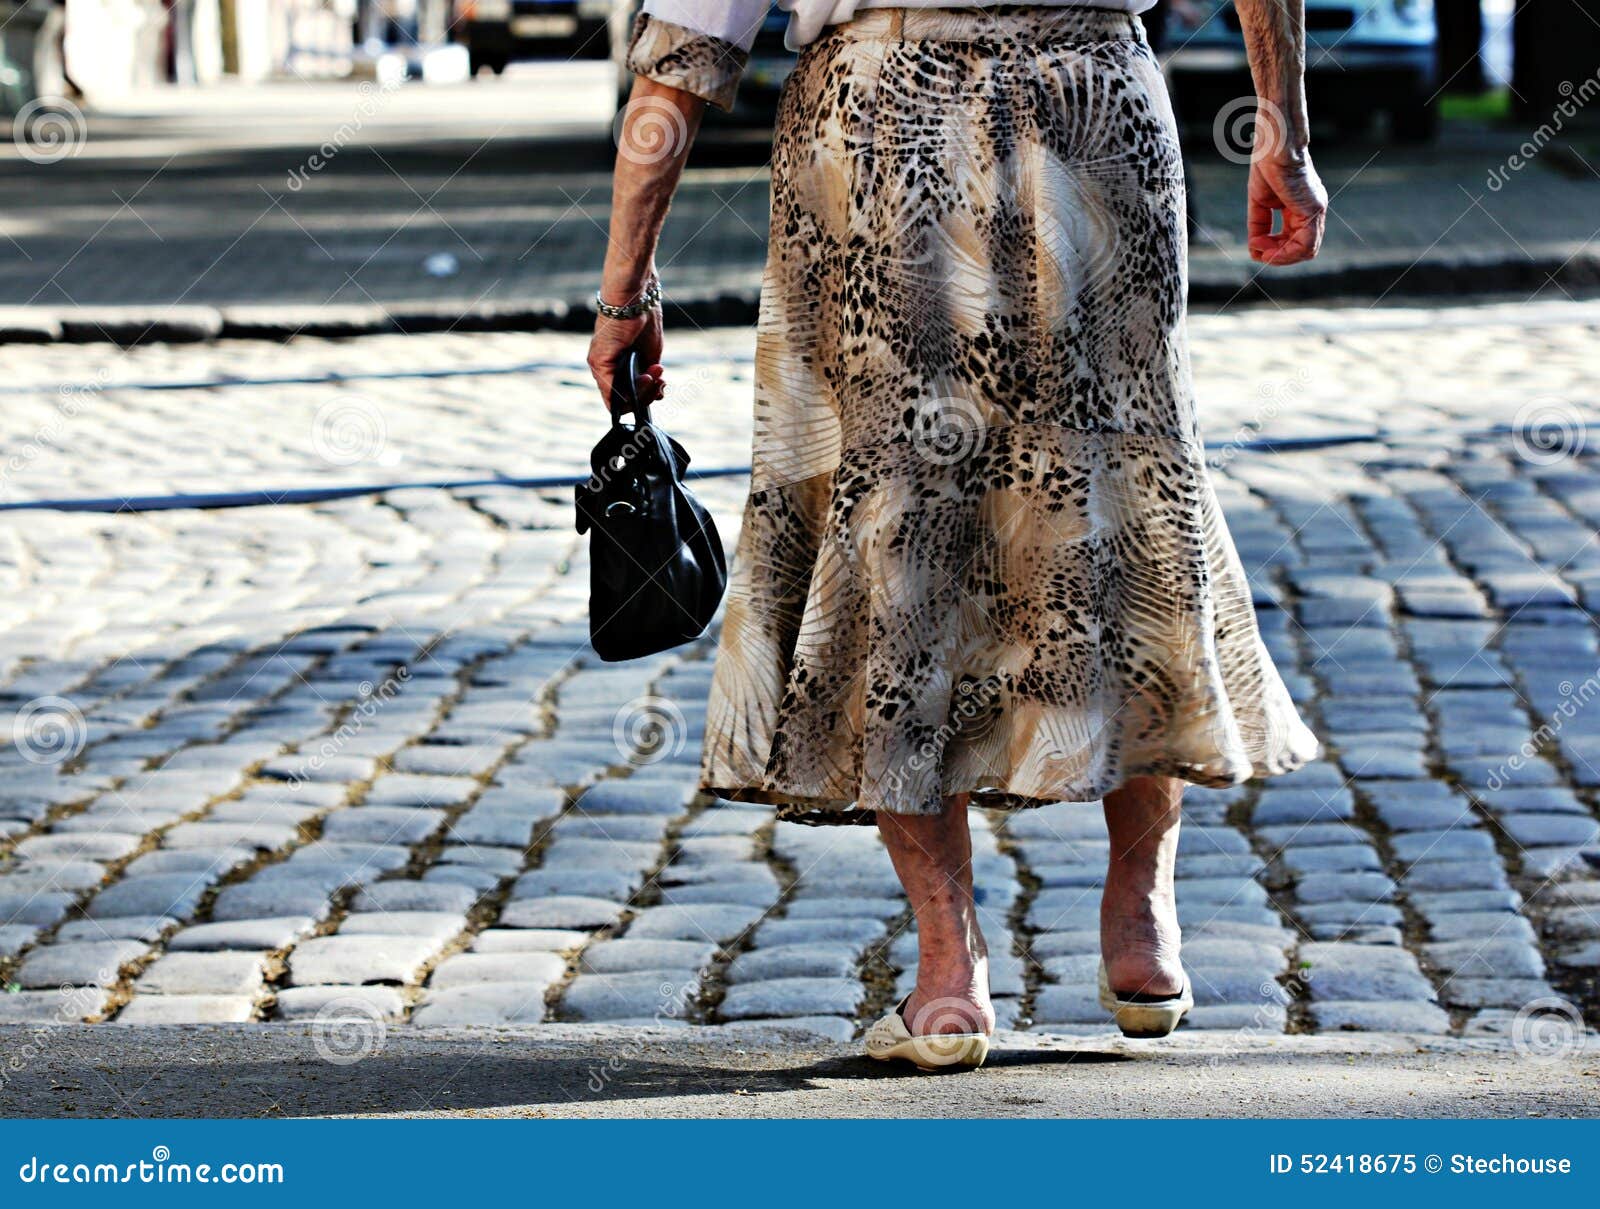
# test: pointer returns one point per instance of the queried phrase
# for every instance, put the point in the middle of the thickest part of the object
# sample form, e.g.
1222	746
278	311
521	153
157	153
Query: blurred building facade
97	48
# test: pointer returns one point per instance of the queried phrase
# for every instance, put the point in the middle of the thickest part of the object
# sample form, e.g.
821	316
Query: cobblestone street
352	763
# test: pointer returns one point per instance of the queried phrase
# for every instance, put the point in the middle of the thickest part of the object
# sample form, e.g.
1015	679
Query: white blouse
738	21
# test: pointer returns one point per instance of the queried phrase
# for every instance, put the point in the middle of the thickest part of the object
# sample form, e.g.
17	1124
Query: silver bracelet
631	310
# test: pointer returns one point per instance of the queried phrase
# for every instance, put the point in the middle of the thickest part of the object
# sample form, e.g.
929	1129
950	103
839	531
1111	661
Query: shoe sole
1145	1021
952	1051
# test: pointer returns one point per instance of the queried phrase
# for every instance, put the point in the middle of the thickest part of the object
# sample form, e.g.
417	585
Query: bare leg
1138	911
932	855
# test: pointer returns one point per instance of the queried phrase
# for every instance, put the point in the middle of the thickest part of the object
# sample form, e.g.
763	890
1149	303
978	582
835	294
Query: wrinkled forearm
1275	41
656	132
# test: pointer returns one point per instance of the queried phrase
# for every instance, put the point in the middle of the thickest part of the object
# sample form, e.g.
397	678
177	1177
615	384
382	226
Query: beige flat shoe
890	1039
1145	1016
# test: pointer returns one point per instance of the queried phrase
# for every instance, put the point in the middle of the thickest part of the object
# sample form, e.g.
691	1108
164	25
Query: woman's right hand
613	338
1284	181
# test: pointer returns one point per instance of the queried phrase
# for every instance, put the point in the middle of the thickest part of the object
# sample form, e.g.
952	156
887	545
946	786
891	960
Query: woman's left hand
613	338
1288	183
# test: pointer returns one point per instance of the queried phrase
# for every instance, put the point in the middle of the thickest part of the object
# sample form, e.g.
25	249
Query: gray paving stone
448	760
1218	985
266	935
171	894
641	995
81	963
382	825
1584	957
562	912
1546	830
401	789
327	1003
469	969
791	997
1276	807
566	852
714	922
843	908
53	1006
207	863
1247	1019
480	881
856	930
1513	993
1316	888
1555	864
629	956
1455	875
1334	858
1487	958
629	828
1360	973
48	876
402	894
355	960
187	1009
247	901
749	894
43	909
1312	835
94	846
365	862
1456	901
633	797
499	827
1479	925
1380	1017
16	937
1569	924
263	837
617	885
485	1004
1425	846
1075	1003
504	862
147	928
439	926
226	973
817	960
527	940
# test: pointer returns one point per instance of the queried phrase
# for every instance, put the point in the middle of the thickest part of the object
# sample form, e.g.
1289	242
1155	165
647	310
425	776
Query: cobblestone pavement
494	197
353	764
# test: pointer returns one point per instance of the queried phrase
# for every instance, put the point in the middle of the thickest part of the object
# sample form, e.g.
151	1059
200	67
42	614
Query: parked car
769	66
498	32
1362	57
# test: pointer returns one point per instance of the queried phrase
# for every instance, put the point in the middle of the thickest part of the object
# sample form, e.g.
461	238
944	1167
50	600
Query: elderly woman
981	562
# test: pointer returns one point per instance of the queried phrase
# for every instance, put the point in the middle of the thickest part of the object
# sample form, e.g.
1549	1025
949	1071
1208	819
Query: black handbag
657	567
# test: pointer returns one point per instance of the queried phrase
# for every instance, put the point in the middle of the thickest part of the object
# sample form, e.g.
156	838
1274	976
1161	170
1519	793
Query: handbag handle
625	393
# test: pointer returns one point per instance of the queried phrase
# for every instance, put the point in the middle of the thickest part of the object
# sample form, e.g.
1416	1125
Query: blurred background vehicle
499	32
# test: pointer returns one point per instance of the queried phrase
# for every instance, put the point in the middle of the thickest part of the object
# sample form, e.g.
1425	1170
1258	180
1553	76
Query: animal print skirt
981	552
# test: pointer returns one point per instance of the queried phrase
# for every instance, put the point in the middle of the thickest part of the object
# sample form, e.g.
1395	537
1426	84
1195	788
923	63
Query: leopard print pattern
673	54
981	553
